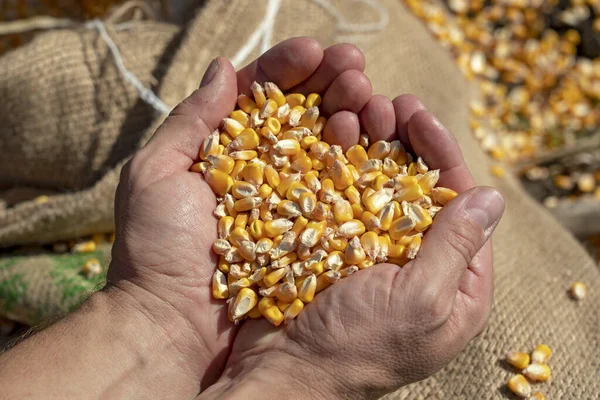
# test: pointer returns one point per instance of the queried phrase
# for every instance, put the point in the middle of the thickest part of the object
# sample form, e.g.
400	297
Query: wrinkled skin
369	334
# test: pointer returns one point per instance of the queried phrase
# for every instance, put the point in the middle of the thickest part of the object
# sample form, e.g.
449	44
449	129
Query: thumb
174	147
459	232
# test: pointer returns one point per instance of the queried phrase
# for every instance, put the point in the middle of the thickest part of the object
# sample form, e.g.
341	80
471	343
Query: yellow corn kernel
265	303
413	247
351	228
246	103
372	223
412	169
220	150
247	204
338	243
334	153
287	147
400	227
241	190
578	290
319	149
268	109
327	193
308	141
302	164
370	244
537	372
264	191
354	252
342	211
222	162
386	216
293	310
357	211
259	94
357	155
92	268
296	190
247	140
421	217
309	118
519	386
408	193
498	170
402	157
537	396
254	313
312	181
272	176
517	359
443	195
201	167
341	175
277	227
288	208
326	279
313	233
264	245
240	116
224	226
322	211
384	244
282	305
308	203
390	168
366	193
285	260
541	354
295	99
274	315
313	100
233	127
273	125
365	264
223	265
306	288
275	276
319	126
241	220
243	155
220	290
377	200
210	145
353	195
274	93
395	149
380	181
219	181
379	150
286	292
237	236
253	173
396	251
295	115
238	167
245	301
256	229
429	180
317	268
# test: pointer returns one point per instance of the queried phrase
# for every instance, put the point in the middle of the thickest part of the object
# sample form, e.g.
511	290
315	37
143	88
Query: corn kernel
541	354
517	359
578	290
519	386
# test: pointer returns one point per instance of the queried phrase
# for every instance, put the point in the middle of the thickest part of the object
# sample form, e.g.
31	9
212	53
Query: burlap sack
535	259
68	119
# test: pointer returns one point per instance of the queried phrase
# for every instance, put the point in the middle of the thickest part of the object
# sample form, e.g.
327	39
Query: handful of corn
297	214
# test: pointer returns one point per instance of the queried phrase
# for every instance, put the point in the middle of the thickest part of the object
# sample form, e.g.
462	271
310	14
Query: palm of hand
165	229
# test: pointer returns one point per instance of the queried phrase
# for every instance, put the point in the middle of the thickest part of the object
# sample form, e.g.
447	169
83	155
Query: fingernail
210	72
485	207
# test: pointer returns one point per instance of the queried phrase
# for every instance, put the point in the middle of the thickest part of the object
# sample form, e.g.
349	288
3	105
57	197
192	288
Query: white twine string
264	31
145	94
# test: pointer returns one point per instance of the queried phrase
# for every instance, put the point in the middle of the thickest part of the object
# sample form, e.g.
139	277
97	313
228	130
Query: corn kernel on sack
536	260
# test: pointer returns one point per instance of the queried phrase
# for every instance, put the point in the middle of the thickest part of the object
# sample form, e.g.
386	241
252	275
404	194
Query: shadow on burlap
535	259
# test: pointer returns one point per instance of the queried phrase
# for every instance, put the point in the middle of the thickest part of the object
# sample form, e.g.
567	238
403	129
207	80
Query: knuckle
461	239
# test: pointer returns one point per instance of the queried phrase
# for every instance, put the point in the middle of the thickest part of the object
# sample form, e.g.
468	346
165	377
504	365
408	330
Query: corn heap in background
538	94
296	214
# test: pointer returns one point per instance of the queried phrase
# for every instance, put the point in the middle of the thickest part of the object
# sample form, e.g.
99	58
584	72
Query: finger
378	119
477	282
342	128
439	149
459	232
405	106
336	59
287	64
350	91
175	145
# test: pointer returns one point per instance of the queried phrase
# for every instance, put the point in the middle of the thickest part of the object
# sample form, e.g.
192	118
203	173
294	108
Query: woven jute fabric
535	258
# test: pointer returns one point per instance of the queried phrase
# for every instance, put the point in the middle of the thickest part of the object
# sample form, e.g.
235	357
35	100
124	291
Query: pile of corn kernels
538	95
534	369
296	214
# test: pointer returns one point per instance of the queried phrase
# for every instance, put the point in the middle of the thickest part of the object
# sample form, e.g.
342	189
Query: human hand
386	326
164	213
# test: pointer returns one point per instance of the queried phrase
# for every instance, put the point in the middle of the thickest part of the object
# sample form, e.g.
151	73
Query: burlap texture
67	121
535	259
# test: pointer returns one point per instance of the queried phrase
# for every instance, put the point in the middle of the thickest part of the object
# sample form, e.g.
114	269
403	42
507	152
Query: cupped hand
164	213
386	326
